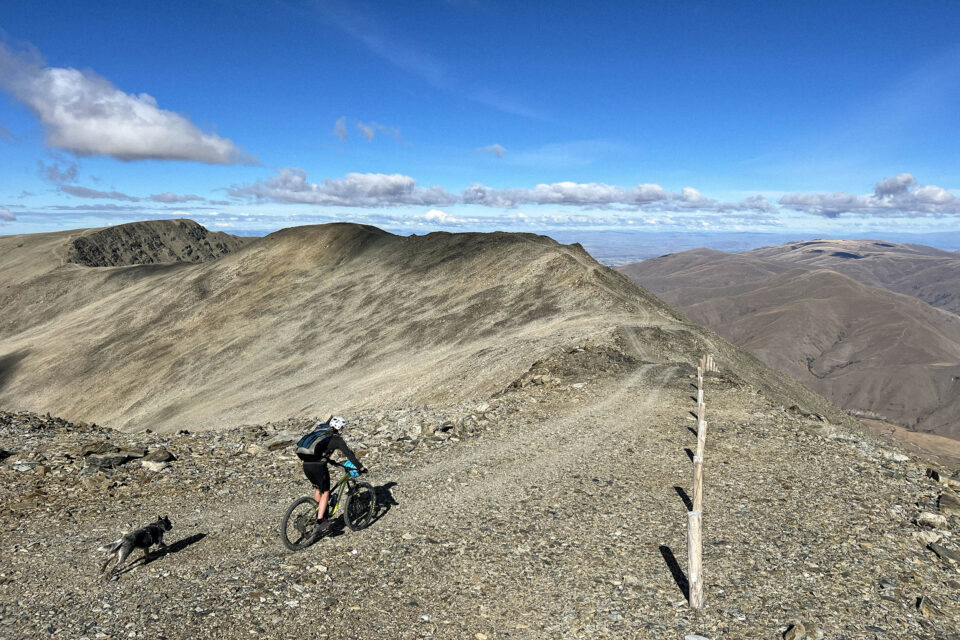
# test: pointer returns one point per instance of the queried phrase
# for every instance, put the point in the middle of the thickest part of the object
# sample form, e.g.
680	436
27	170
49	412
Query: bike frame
337	490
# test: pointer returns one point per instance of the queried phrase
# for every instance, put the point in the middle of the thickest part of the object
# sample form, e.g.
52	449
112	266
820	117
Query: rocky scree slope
555	509
329	317
151	242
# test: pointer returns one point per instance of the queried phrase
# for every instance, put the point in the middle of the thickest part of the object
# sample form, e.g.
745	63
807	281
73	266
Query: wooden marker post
699	396
699	377
701	437
698	483
694	559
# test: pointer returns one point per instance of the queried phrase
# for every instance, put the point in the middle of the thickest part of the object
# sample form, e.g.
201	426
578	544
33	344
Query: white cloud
895	185
495	149
169	197
352	190
899	196
84	192
370	130
6	215
86	115
444	218
381	190
340	128
54	175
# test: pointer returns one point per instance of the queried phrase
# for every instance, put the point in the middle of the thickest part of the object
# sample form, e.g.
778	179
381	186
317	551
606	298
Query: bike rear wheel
297	526
360	506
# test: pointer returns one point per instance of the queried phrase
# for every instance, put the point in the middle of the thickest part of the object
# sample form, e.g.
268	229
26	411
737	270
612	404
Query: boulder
159	455
153	465
282	440
932	520
949	503
950	555
106	460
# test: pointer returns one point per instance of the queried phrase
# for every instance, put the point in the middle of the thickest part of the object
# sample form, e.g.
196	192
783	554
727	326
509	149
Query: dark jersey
333	443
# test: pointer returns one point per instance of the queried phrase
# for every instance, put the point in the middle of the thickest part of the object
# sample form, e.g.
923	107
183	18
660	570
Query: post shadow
678	576
689	453
693	431
683	496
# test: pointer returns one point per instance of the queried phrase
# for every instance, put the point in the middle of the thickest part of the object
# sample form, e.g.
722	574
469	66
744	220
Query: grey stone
106	460
949	503
946	554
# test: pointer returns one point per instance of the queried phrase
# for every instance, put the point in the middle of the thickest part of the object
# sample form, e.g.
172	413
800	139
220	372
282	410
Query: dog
142	538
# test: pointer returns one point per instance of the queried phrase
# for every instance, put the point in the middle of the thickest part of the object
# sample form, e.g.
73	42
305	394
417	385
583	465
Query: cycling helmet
337	423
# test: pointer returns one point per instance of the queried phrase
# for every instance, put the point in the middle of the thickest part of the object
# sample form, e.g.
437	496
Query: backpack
307	445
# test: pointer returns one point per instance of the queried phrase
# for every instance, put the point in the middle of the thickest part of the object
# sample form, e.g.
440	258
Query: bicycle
356	501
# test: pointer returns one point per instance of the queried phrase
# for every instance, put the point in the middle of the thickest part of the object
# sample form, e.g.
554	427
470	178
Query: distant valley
871	325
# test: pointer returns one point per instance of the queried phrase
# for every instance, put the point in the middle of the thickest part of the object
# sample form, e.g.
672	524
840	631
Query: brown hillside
339	315
864	348
914	270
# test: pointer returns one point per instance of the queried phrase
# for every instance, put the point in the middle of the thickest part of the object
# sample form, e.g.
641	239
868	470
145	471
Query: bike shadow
385	502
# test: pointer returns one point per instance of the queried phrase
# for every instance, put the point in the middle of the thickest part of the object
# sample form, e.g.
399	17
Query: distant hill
865	348
923	272
151	242
313	318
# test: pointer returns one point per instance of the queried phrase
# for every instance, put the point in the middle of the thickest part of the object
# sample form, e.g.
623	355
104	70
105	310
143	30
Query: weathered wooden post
701	437
698	482
694	559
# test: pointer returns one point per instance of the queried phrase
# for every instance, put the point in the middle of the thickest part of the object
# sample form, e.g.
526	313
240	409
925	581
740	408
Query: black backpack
308	444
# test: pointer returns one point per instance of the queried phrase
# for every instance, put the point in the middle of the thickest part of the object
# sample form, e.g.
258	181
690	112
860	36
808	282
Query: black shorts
318	474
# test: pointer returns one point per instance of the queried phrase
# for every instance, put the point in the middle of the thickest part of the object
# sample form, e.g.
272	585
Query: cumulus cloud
443	218
352	190
381	190
593	194
55	175
173	197
896	185
86	115
84	192
495	149
899	196
6	215
370	130
340	128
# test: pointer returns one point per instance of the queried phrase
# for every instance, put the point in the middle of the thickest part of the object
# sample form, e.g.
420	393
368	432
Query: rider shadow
156	554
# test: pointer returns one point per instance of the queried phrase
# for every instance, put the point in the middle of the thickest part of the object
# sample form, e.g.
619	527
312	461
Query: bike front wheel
298	524
360	506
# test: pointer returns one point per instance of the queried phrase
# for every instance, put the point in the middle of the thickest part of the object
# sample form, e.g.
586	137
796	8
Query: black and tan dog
142	538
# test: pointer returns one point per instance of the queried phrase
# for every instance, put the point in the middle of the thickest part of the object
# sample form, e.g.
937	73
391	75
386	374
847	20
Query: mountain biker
315	467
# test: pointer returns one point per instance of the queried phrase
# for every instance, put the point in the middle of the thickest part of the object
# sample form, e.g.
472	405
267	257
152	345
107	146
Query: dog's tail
112	546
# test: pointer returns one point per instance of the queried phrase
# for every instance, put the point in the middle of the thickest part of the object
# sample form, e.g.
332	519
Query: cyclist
315	466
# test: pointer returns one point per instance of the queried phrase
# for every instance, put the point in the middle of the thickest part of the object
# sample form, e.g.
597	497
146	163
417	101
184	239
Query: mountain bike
354	500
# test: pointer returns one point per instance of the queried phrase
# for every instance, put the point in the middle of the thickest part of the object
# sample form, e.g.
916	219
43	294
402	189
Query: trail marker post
694	562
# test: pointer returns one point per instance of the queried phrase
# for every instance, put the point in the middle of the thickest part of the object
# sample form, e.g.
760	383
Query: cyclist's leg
319	476
323	493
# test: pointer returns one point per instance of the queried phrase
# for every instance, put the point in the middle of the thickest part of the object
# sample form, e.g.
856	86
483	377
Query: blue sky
827	118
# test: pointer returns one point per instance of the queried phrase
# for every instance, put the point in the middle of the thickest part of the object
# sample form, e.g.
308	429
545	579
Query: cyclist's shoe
321	526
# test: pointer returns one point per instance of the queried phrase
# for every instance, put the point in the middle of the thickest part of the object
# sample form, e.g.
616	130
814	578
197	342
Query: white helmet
337	423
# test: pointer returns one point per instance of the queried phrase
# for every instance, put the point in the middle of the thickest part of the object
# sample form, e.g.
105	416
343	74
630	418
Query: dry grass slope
309	319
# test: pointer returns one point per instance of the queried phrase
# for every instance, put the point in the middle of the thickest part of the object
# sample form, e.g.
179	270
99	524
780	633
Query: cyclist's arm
338	443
